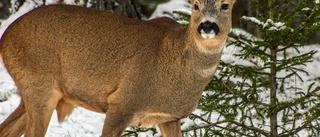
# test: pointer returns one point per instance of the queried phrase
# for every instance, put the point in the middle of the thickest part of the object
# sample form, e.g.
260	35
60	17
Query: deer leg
171	129
39	103
115	123
15	124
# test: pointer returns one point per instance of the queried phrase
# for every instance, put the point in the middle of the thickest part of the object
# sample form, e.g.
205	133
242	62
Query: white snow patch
49	2
305	9
254	20
187	123
169	7
146	134
184	11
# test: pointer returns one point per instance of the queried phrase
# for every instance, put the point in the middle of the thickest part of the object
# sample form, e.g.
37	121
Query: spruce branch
254	129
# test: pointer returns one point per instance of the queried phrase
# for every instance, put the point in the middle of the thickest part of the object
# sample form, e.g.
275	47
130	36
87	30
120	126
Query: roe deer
138	73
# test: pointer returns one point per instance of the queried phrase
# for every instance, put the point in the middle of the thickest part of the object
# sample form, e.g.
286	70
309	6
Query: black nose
208	26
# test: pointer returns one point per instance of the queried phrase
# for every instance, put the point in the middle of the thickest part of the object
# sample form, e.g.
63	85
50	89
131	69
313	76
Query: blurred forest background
143	9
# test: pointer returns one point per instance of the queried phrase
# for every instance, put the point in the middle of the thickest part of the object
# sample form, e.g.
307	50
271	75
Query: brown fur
136	72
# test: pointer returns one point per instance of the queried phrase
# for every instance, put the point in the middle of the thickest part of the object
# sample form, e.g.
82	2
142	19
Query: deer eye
225	6
196	6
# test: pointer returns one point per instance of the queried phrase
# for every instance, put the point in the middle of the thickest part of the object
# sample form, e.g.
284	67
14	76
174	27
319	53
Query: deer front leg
171	129
39	103
115	123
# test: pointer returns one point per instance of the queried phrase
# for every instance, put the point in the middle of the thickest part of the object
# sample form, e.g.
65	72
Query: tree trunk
126	8
273	81
4	9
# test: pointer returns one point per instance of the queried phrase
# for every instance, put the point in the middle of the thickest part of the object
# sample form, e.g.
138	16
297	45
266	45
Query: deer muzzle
208	29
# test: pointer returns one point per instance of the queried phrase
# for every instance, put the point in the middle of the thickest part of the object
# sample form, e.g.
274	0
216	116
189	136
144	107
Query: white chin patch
210	35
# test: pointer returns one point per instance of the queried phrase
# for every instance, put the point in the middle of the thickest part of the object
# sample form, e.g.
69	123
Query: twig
263	132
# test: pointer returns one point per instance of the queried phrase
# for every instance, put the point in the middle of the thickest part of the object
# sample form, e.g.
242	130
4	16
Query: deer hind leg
171	129
40	101
15	124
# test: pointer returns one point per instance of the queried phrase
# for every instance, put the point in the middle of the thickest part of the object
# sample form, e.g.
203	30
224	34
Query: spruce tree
264	86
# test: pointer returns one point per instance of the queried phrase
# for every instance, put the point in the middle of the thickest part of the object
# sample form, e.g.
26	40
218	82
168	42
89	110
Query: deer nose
208	29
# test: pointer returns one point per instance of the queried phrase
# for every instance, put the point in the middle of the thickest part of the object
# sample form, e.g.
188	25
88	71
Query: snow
49	2
306	9
187	123
253	19
184	11
7	86
269	24
164	9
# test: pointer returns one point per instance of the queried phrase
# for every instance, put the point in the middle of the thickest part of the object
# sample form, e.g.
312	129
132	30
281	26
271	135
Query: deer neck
182	52
204	54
